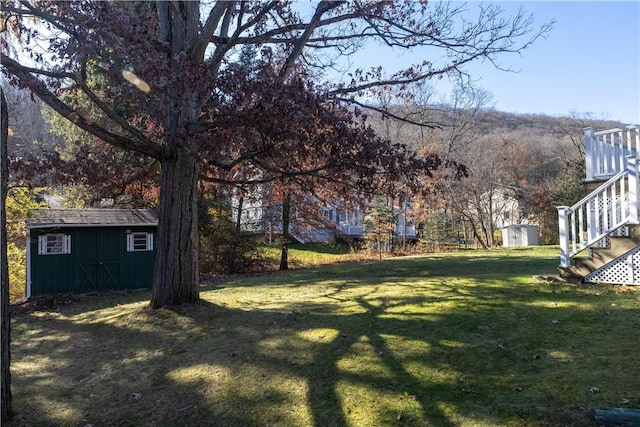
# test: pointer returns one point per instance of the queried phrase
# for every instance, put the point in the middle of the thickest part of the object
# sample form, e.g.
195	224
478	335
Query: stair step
618	246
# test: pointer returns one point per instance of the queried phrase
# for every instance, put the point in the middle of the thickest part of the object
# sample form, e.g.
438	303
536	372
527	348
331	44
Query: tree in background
29	132
224	247
27	135
171	62
77	169
536	155
380	222
450	127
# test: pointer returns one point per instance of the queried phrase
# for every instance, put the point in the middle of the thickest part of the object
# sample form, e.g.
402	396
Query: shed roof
43	218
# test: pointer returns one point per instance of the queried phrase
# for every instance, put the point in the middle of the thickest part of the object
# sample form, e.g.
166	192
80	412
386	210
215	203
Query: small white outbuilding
519	235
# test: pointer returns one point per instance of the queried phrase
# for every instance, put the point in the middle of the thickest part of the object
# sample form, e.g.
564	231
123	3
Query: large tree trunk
176	268
175	279
5	397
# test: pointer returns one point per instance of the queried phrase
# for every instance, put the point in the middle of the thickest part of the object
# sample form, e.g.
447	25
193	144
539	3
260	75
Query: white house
330	222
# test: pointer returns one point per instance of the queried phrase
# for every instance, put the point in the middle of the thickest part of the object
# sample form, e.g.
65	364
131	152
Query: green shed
83	250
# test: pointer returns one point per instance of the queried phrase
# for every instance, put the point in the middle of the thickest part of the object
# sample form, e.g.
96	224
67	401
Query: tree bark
176	268
175	279
6	397
286	215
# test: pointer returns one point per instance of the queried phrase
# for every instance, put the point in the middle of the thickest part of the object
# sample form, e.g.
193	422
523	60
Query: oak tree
170	63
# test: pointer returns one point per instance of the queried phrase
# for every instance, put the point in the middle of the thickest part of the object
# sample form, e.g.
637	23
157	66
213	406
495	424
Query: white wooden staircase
600	235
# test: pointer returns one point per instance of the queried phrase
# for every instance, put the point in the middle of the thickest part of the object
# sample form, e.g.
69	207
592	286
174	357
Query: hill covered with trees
535	160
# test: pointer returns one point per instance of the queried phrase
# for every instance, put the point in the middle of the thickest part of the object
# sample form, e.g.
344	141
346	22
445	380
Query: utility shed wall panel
70	252
519	235
98	261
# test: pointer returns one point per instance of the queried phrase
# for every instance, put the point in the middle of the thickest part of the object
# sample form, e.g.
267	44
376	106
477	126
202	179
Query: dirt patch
26	306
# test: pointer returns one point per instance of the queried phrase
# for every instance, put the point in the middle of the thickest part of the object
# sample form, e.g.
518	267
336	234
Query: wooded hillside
535	159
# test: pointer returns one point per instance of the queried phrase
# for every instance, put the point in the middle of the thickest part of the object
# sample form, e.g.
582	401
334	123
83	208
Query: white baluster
632	170
563	225
590	152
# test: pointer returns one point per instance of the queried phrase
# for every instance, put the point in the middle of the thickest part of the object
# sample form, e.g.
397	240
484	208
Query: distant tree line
537	159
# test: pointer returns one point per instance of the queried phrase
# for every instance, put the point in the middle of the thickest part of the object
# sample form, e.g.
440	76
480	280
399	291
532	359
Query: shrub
223	249
19	201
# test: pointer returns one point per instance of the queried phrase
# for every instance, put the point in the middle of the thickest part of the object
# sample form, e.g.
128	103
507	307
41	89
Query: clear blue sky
589	63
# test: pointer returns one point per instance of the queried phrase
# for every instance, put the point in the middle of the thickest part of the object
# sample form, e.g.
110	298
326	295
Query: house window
140	241
324	213
343	218
54	244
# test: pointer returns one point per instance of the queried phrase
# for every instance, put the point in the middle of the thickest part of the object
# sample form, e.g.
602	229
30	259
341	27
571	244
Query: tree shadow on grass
362	361
456	265
406	358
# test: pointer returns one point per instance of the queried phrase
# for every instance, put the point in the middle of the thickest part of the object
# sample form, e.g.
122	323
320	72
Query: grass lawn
312	255
457	339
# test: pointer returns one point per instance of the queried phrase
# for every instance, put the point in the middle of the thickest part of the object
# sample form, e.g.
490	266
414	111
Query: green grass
458	339
312	255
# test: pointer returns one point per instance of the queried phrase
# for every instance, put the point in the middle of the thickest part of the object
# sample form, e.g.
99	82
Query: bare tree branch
322	8
41	91
210	26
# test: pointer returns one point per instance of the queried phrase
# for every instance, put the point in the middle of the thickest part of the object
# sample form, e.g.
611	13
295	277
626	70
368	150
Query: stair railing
606	151
609	207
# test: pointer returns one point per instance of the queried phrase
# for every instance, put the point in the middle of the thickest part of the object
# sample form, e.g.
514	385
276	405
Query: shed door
519	236
98	259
